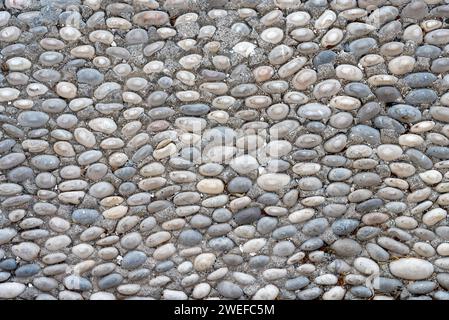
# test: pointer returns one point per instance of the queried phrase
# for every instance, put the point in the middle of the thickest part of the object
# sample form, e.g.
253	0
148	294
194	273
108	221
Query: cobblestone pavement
241	149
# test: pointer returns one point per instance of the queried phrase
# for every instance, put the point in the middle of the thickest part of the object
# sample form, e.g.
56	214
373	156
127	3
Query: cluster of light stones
242	149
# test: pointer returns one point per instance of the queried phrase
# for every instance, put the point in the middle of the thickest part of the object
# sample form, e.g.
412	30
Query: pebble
10	290
411	269
229	290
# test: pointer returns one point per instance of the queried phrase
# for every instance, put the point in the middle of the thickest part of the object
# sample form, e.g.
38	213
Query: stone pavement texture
224	149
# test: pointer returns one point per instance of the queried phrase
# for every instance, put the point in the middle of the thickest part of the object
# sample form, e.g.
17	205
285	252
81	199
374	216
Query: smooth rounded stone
45	180
273	181
361	292
221	215
27	270
421	287
280	54
310	294
45	162
32	119
268	199
258	262
11	160
173	295
296	283
434	216
274	274
367	179
6	145
102	296
194	109
101	189
346	247
325	89
45	283
440	295
315	227
324	57
280	233
272	35
312	244
428	51
419	159
420	79
424	249
278	165
443	280
204	261
389	152
436	37
57	243
366	266
85	216
404	113
421	96
6	235
335	144
342	227
211	186
283	248
77	283
368	134
438	152
362	46
393	245
431	177
110	281
269	292
425	234
411	269
357	90
229	290
11	290
200	221
104	125
239	185
26	250
89	76
442	249
201	290
163	252
326	279
440	113
268	224
8	264
388	94
133	260
190	238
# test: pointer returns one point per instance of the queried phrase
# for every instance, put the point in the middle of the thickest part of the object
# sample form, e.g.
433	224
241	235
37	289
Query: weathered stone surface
224	149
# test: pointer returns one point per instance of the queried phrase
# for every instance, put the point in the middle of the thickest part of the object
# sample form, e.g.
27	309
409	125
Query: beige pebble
431	177
210	186
401	65
434	216
273	181
204	261
389	152
64	149
115	213
104	125
66	90
349	72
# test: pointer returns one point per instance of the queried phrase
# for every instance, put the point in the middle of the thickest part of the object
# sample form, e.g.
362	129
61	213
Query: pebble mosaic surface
224	149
